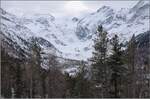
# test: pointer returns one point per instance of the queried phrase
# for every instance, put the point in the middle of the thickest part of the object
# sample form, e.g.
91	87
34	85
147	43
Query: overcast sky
61	8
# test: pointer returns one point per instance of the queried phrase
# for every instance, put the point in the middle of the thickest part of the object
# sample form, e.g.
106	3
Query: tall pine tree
35	62
117	67
82	84
99	62
131	66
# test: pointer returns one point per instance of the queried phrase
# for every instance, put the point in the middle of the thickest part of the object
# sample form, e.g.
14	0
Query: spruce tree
99	61
82	85
18	81
6	75
131	66
70	83
12	83
117	67
35	60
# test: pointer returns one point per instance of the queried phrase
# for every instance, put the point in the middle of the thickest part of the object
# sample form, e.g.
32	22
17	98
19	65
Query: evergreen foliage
99	61
117	66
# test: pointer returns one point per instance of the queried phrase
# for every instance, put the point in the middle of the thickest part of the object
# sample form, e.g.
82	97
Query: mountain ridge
72	38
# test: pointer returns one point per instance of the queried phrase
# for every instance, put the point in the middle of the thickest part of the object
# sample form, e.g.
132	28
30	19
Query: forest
115	70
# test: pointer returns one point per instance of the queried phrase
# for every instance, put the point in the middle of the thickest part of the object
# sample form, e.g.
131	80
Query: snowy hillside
72	37
124	22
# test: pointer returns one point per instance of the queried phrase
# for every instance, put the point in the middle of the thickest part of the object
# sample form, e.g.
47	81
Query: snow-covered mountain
72	37
124	22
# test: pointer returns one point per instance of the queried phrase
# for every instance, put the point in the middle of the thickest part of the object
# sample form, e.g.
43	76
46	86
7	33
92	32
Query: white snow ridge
73	37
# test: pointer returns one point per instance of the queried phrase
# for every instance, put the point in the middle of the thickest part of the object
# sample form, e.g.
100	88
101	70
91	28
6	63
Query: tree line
115	72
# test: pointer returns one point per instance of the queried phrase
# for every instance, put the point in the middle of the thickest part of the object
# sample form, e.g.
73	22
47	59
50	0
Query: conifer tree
35	61
70	83
12	83
82	85
99	61
6	75
117	67
18	80
131	66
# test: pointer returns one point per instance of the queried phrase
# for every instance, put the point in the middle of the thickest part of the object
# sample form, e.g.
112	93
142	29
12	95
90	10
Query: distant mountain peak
140	4
104	8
